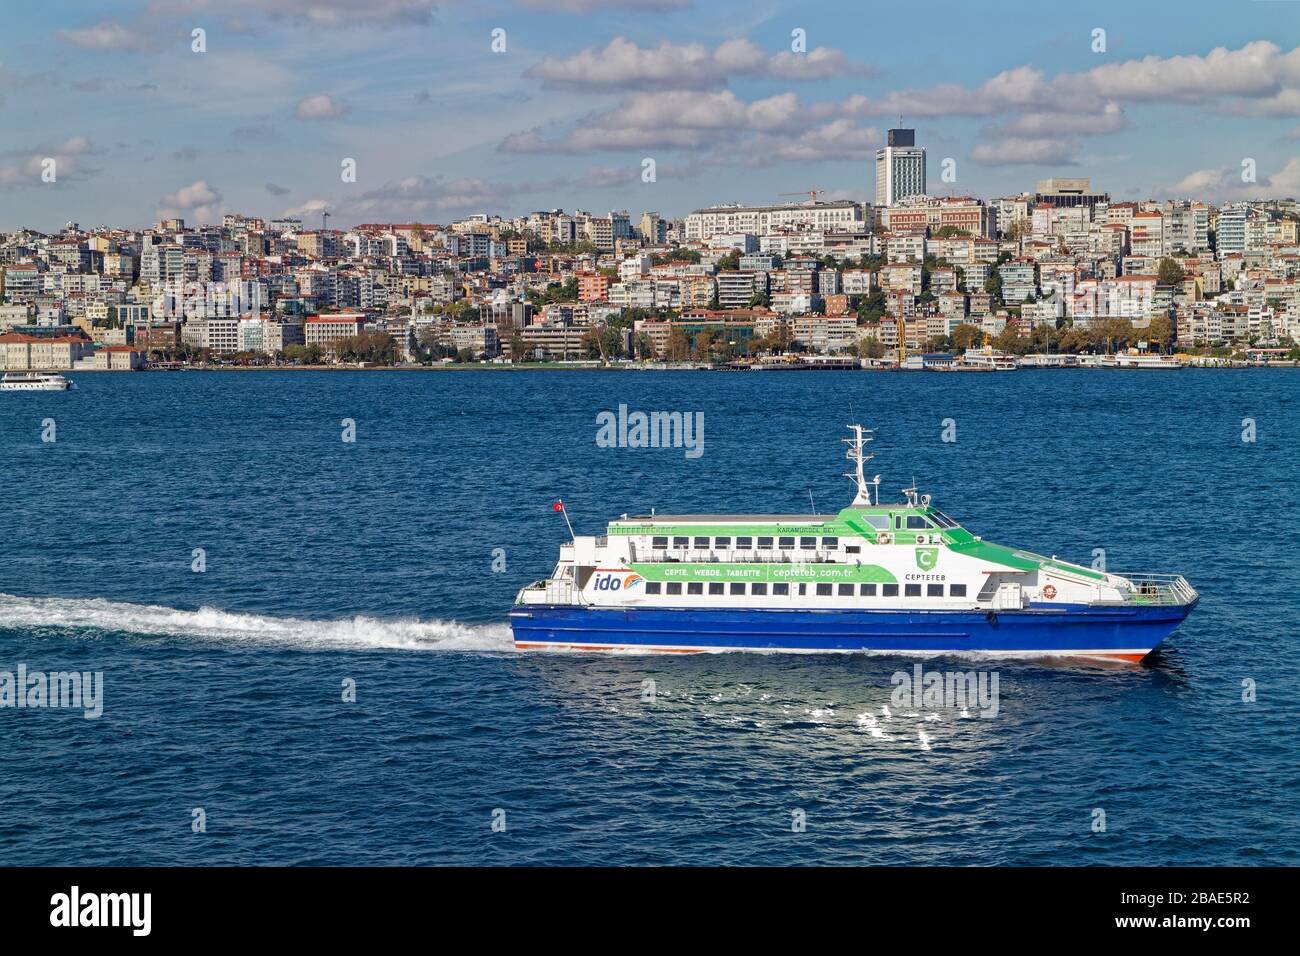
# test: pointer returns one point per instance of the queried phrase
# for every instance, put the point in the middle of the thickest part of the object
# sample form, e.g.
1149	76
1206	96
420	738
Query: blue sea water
373	562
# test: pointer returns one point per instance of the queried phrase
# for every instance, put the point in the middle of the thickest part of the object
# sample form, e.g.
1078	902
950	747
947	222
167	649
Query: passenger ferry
989	359
34	382
876	577
1146	361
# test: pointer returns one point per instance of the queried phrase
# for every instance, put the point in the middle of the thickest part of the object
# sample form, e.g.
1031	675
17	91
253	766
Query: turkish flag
558	506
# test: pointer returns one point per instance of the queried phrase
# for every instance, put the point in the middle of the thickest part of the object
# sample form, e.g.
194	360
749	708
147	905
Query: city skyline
582	92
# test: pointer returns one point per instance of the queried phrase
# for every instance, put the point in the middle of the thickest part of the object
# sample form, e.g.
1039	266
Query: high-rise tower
900	168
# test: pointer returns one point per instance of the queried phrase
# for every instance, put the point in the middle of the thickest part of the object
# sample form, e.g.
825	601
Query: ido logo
619	581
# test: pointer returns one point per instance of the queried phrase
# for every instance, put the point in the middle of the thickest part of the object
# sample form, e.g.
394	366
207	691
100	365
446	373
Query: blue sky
441	126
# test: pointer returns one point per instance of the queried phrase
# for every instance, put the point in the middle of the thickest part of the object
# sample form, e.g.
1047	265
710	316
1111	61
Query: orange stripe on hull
1028	655
1131	658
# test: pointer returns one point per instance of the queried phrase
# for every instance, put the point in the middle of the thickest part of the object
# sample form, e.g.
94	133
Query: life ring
922	539
883	538
1049	592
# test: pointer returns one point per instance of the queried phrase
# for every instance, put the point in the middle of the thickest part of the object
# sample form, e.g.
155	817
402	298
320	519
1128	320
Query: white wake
97	614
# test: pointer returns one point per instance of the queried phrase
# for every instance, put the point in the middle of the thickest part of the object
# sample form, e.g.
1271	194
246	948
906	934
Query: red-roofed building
28	353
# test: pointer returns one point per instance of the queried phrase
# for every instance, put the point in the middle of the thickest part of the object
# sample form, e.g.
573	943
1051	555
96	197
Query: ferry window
758	588
695	587
744	542
829	543
659	542
701	542
823	590
722	542
956	590
917	523
852	549
942	520
787	542
898	522
674	587
934	590
808	544
736	588
889	590
911	590
653	587
879	522
781	589
681	542
765	544
716	587
803	589
867	590
846	590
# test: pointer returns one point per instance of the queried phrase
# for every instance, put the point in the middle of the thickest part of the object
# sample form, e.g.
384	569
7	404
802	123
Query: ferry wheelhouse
895	578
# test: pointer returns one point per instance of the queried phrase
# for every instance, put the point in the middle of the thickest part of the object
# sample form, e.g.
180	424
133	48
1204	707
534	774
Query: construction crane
812	194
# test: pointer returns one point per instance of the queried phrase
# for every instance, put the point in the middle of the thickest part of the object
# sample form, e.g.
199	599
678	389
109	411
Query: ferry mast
856	453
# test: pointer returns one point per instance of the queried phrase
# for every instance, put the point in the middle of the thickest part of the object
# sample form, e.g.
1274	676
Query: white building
900	168
839	216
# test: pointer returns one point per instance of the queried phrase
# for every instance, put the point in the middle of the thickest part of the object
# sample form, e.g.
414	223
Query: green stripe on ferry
830	529
766	571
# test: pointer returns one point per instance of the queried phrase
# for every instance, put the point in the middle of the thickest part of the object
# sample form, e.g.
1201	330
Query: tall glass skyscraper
900	168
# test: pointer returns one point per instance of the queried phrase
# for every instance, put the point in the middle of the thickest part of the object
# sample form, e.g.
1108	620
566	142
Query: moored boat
34	382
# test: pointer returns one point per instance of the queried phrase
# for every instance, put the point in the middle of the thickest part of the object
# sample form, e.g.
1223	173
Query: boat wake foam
211	624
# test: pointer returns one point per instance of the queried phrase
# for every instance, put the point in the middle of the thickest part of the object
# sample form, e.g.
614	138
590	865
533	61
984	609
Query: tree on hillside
967	336
1170	272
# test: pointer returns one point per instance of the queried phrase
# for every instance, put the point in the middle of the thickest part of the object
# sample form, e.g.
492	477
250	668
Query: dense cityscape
910	280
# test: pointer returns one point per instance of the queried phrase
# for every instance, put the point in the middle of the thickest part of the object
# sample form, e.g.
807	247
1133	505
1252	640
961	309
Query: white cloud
837	140
818	63
1109	120
311	208
32	163
588	6
623	65
675	118
108	35
198	202
1224	183
320	106
321	13
1025	152
1259	77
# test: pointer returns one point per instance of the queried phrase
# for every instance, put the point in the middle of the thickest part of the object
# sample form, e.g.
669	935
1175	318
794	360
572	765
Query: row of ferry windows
745	543
783	589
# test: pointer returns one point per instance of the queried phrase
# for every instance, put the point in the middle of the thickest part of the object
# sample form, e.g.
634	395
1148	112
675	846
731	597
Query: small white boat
34	382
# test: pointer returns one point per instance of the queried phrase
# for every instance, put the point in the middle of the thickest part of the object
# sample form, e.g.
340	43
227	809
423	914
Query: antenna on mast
856	454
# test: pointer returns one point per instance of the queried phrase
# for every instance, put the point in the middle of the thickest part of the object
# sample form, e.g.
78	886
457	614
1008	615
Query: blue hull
1126	633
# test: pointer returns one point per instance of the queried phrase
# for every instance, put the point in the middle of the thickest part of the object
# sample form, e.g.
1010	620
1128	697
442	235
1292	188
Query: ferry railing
1158	589
692	556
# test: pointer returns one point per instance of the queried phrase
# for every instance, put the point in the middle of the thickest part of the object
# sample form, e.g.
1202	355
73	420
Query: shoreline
544	367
